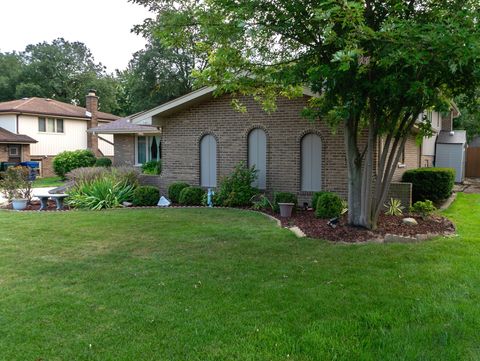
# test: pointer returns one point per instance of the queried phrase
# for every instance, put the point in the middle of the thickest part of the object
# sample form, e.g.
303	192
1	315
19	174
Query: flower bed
318	228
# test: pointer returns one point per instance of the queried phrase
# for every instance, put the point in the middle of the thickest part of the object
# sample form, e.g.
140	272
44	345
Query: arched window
311	163
208	161
257	156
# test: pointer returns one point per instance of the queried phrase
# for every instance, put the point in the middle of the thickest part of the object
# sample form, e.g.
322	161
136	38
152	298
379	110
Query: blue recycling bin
32	166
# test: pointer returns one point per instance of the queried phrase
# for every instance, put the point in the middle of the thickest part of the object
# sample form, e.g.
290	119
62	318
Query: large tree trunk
367	196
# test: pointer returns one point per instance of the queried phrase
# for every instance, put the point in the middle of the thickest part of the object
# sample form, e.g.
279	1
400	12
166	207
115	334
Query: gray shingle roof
124	125
9	137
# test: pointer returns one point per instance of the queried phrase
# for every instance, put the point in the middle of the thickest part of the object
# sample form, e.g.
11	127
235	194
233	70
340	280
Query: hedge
434	184
174	191
191	196
329	205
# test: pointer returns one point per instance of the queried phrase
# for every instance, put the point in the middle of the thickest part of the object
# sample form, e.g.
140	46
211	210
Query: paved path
3	200
470	185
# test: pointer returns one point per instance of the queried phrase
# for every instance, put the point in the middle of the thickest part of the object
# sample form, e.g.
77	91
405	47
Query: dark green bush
236	190
284	197
146	196
153	167
103	162
191	196
66	161
424	209
174	191
329	205
315	197
435	184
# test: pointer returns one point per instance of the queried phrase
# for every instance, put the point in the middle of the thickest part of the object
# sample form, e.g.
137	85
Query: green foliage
329	205
175	189
435	184
315	197
284	197
125	174
423	208
153	167
69	160
262	203
146	196
191	196
236	190
155	75
103	162
15	183
394	207
101	193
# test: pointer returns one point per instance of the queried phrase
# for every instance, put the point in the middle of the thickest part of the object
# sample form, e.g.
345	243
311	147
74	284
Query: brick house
45	127
200	138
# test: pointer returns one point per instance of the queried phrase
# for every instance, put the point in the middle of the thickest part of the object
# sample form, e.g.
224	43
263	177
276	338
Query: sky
103	25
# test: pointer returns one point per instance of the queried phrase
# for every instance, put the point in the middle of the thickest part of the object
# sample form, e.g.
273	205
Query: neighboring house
46	127
201	138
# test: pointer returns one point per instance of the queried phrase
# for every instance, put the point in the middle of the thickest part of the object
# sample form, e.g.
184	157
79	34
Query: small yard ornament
333	222
163	202
210	195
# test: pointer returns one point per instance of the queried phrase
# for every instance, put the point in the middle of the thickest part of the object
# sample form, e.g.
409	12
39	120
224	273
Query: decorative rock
297	231
127	204
410	221
163	202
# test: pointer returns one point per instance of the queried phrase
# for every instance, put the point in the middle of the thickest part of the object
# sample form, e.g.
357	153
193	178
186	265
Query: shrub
146	196
101	193
191	196
89	174
103	162
174	191
236	190
435	184
16	184
424	209
315	197
262	203
205	199
329	205
284	197
152	167
66	161
394	207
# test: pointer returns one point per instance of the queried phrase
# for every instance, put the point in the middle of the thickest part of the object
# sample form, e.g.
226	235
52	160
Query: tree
374	64
155	75
60	70
11	67
469	118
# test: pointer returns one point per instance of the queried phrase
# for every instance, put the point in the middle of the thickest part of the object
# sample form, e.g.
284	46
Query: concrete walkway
39	191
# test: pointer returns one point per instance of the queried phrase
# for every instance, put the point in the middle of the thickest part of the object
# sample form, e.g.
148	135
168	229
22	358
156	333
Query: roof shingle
42	106
9	137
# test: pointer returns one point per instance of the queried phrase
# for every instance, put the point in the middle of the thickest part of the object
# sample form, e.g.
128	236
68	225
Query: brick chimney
92	113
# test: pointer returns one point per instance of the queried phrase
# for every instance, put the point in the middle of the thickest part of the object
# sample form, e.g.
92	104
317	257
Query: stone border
448	202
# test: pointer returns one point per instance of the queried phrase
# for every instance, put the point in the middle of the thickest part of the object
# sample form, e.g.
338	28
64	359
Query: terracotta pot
19	204
286	209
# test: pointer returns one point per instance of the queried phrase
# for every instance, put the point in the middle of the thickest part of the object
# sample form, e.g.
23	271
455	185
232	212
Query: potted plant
286	209
17	187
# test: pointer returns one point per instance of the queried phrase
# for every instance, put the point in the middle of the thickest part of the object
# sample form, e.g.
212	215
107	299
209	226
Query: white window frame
147	147
17	148
55	125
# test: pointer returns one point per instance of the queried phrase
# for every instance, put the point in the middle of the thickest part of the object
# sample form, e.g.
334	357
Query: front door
14	153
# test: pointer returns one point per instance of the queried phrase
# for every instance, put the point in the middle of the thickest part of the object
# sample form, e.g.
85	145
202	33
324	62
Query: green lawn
214	284
48	182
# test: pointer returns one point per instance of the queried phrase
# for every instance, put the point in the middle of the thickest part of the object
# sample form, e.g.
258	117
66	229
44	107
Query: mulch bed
35	206
318	228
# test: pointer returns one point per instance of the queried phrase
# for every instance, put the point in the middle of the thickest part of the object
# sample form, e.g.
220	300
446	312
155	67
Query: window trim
147	148
322	165
200	160
266	154
55	125
17	148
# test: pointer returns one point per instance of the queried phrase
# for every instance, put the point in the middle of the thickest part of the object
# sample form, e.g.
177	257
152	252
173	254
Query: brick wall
152	180
447	121
411	158
3	153
181	135
124	151
47	164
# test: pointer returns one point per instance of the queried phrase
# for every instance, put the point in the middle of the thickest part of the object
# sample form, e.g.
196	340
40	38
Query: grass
48	182
214	284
